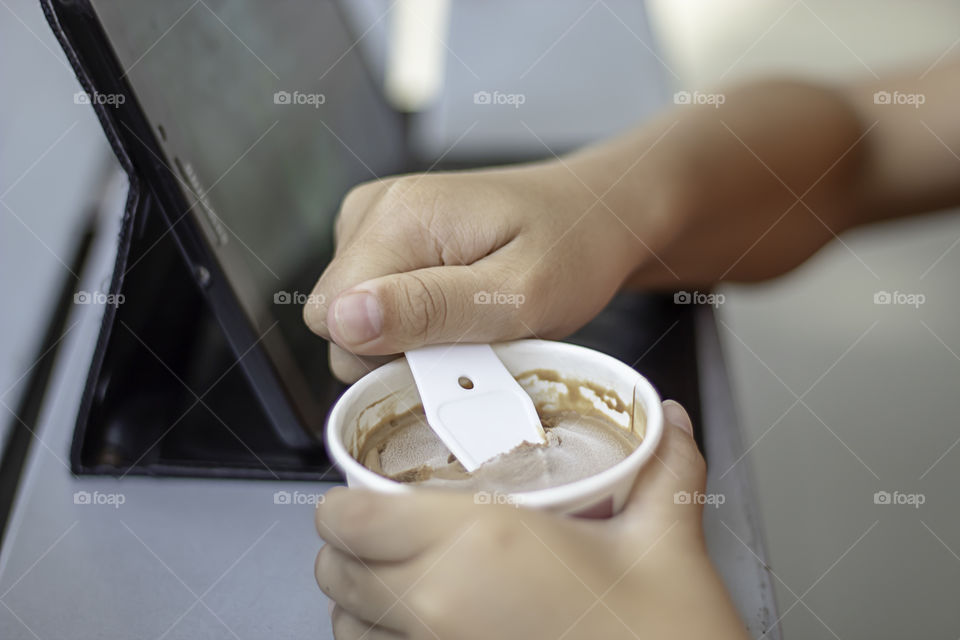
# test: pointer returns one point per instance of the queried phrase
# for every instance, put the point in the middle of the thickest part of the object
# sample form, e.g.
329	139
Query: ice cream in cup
602	418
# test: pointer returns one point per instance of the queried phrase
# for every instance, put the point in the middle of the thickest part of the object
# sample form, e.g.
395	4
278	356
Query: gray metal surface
735	535
45	139
183	558
177	558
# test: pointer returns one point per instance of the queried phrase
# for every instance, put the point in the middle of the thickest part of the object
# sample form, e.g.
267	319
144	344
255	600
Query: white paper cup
390	390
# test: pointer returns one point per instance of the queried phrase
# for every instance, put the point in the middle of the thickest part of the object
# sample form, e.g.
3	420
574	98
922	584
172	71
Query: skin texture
698	195
423	248
434	564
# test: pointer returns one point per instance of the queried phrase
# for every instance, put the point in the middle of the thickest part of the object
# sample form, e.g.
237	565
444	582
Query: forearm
751	188
913	164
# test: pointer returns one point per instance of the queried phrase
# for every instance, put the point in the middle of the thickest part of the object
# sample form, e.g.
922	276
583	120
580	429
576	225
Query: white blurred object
416	52
709	43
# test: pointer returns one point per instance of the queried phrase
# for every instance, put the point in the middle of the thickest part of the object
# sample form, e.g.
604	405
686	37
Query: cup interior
609	385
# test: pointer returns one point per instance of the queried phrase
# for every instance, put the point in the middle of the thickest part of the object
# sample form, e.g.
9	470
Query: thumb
669	483
403	311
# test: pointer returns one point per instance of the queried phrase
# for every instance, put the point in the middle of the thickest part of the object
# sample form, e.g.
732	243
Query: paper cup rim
572	493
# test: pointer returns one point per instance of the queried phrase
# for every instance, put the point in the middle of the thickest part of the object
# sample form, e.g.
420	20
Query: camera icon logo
281	497
882	297
282	297
81	97
281	97
482	97
482	297
881	97
81	497
482	497
681	497
682	97
81	297
881	497
682	297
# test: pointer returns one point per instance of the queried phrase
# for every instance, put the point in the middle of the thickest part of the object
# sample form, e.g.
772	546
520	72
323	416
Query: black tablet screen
267	114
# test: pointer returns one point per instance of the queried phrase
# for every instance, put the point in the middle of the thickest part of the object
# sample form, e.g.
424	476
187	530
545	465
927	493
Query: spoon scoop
473	404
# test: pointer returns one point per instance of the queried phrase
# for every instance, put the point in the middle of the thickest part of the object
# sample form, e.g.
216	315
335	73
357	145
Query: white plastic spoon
472	402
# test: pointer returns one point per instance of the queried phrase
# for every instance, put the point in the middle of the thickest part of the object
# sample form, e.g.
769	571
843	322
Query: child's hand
478	256
435	565
696	196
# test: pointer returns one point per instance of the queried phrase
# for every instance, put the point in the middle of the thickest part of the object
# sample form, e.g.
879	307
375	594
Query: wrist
575	195
641	192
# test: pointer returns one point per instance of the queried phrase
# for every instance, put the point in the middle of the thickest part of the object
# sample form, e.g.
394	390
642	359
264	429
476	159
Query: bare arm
744	191
749	189
913	164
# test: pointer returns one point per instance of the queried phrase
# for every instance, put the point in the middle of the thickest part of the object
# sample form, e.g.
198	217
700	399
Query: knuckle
402	193
423	306
414	198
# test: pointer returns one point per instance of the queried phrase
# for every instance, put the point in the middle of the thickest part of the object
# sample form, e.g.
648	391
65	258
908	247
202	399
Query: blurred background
879	409
839	398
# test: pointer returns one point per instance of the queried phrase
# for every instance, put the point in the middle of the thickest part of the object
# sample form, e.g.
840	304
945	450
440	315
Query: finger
436	305
375	256
380	230
411	224
389	528
370	592
347	626
350	368
353	210
677	469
